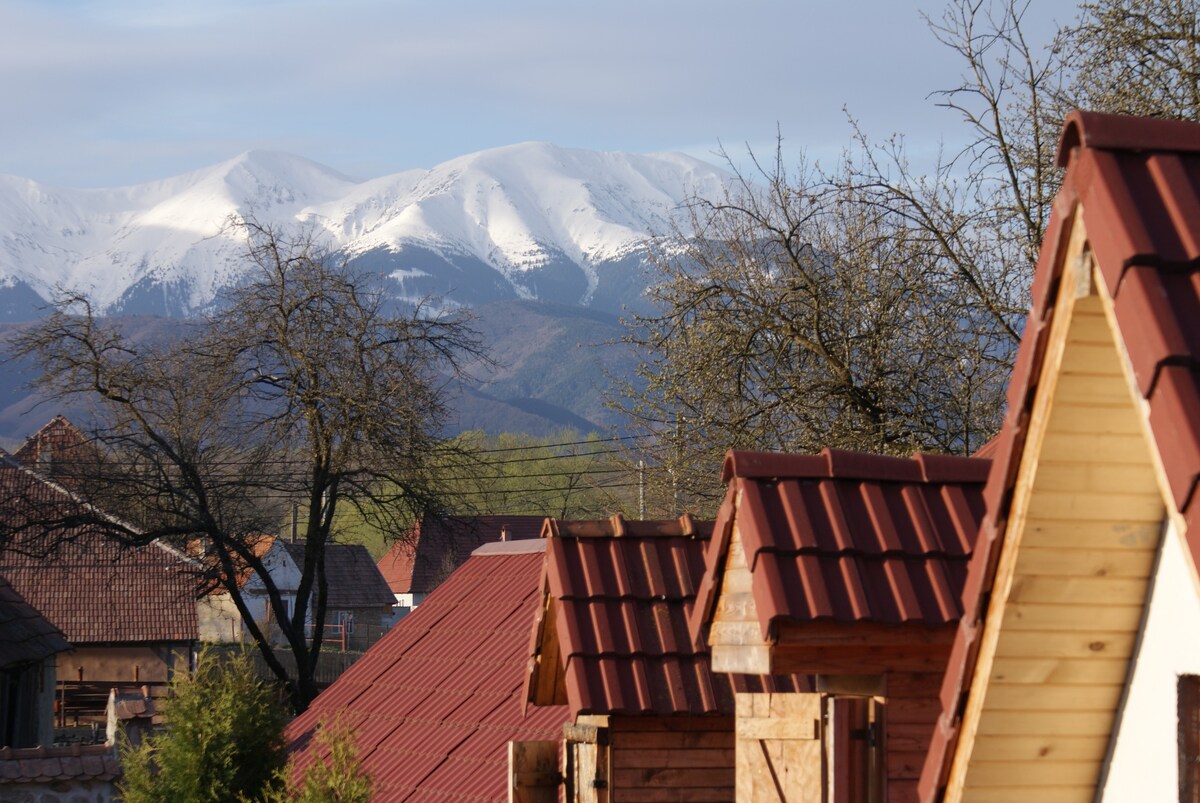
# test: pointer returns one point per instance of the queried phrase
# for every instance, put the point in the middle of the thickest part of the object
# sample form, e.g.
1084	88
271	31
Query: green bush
223	739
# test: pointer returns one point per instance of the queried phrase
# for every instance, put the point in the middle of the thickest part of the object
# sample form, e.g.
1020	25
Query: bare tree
303	389
802	315
1137	57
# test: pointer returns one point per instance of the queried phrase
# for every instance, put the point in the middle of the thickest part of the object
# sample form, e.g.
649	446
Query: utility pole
641	489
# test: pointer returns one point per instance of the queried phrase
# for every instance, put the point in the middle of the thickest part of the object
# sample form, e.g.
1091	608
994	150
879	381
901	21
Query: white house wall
1144	759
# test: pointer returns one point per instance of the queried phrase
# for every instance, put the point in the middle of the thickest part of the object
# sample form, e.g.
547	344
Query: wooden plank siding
673	758
1073	575
735	635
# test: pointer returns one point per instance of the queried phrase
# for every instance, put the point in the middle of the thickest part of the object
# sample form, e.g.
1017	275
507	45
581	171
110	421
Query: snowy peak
524	221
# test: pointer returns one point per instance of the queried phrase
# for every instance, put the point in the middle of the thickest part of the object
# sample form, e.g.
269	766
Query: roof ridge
846	464
1112	132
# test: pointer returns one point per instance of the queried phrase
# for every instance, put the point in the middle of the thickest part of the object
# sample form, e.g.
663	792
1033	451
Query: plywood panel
1097	592
1092	563
1045	723
779	751
1099	507
1020	616
1046	749
1017	776
1053	697
1066	645
1093	535
1061	670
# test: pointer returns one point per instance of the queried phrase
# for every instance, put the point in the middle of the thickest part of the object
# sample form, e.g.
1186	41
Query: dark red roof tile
44	765
437	699
624	591
862	539
88	586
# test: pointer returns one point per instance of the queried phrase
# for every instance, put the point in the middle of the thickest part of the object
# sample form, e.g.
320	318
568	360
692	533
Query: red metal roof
624	590
44	765
89	587
25	635
352	578
849	537
436	546
1136	184
435	702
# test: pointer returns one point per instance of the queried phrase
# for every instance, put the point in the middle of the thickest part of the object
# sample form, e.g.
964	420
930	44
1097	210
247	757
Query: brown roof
25	635
351	576
849	537
436	546
44	765
56	439
624	590
435	702
1136	185
93	589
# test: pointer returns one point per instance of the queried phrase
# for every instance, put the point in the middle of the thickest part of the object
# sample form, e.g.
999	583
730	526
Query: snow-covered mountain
529	221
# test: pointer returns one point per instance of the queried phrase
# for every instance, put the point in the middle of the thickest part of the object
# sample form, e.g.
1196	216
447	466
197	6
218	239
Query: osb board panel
779	750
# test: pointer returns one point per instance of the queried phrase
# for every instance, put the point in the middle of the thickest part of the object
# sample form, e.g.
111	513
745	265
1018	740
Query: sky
105	93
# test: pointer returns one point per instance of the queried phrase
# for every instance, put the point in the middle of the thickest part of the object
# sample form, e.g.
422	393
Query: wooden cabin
849	568
650	721
1076	671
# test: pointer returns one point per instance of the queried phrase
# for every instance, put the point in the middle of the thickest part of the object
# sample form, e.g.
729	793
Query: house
28	644
1076	669
434	704
357	610
59	451
437	545
129	614
849	568
650	720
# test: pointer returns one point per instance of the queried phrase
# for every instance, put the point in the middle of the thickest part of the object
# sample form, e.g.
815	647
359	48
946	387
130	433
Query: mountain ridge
525	221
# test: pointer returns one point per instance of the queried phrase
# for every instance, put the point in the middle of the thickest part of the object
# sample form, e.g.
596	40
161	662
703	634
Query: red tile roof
1136	184
57	439
25	635
92	589
351	576
435	702
624	590
45	765
849	537
436	546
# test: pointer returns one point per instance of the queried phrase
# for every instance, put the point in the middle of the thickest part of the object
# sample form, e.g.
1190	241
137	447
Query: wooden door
779	751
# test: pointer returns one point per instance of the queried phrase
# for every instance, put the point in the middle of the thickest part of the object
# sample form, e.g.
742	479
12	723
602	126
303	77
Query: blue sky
112	92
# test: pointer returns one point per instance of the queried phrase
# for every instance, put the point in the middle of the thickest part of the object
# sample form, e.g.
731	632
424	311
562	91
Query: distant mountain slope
528	221
553	361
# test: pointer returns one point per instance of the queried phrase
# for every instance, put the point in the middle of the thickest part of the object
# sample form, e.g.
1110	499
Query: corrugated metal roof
849	537
435	702
350	574
25	635
436	546
624	591
91	588
1136	184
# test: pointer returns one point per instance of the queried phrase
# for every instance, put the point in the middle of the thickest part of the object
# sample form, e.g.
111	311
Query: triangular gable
1101	443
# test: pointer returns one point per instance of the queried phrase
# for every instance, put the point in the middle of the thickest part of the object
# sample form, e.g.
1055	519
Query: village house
435	703
437	545
129	614
358	609
848	568
1076	669
649	718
